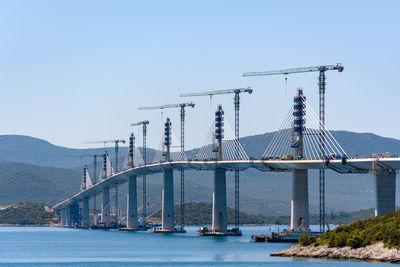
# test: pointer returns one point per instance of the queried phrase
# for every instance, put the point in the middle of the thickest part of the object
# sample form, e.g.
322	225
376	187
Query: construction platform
231	232
76	226
133	229
157	231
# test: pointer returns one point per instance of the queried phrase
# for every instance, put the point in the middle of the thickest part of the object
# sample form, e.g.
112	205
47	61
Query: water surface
52	246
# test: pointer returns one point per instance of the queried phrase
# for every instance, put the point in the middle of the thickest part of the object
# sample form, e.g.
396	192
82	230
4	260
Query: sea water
54	246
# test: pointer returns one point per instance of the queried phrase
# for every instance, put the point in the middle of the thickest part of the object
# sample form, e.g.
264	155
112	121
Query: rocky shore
376	252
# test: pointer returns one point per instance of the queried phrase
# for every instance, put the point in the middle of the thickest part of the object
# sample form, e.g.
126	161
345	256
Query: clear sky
75	71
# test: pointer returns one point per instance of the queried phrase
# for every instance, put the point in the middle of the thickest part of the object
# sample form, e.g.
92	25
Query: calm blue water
51	246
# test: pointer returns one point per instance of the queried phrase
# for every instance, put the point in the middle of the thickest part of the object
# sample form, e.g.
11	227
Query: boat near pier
286	236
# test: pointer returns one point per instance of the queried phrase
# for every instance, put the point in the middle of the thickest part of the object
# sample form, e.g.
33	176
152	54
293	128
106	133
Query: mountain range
35	170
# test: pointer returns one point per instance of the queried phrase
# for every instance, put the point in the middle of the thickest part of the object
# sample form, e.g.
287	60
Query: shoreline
59	225
29	225
371	253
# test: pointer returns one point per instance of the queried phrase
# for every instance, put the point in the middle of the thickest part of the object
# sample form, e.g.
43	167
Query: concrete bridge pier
85	212
74	214
68	219
105	207
219	217
385	192
168	201
299	218
132	220
63	217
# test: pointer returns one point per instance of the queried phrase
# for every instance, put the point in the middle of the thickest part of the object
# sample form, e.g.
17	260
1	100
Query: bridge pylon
220	149
167	197
299	216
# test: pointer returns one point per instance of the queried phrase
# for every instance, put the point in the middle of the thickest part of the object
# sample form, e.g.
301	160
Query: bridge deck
356	165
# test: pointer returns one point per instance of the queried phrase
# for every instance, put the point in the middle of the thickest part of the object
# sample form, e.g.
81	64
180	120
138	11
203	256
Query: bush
356	239
304	240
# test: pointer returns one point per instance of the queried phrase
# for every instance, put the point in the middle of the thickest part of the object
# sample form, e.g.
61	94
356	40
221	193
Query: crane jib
338	67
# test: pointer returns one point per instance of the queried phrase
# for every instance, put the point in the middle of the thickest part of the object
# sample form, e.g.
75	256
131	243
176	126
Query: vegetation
305	239
26	214
23	182
384	229
200	214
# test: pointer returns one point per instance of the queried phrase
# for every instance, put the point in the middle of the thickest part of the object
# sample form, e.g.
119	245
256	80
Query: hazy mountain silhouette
21	179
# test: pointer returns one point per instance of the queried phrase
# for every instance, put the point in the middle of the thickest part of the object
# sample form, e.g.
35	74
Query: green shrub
304	239
356	239
341	239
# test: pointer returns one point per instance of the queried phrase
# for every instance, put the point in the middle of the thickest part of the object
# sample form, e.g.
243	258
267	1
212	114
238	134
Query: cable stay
107	169
176	153
86	181
231	147
318	143
137	159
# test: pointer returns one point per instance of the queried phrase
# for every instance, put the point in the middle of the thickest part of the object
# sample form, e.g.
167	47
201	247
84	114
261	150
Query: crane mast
321	85
182	107
116	169
94	172
144	201
237	92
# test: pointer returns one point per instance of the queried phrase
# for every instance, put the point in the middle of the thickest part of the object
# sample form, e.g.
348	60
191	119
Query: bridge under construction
300	144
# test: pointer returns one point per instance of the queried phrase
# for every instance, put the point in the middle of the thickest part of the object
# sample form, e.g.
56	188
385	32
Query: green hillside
35	151
200	214
27	214
30	150
384	229
29	183
266	193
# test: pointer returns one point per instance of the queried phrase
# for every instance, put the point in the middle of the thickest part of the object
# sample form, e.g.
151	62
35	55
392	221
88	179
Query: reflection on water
77	247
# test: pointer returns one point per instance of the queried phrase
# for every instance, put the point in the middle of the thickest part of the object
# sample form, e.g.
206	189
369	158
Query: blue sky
73	71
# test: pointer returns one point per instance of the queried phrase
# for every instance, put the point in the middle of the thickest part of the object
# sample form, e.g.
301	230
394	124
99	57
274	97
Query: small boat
288	236
204	231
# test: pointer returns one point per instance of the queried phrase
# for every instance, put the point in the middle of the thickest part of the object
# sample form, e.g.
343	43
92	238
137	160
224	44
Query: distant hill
30	150
27	214
266	193
25	149
361	144
200	214
21	182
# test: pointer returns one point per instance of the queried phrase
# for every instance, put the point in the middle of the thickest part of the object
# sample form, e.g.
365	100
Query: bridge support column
131	217
299	206
85	212
385	192
219	218
68	219
105	207
75	214
168	201
63	217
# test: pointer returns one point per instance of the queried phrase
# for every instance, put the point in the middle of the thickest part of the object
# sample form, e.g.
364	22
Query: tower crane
94	170
237	92
182	107
116	142
144	201
321	84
